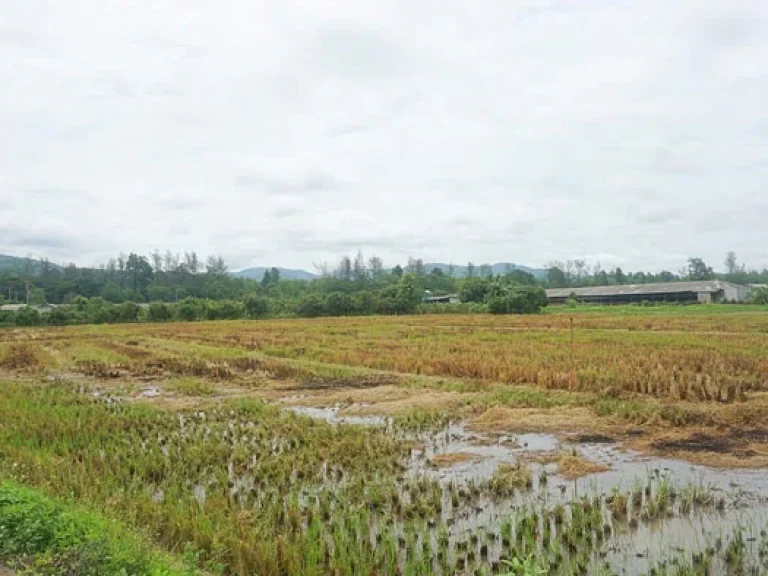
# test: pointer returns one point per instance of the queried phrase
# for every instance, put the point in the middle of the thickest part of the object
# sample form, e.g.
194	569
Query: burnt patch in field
699	443
758	435
130	350
23	357
355	382
593	439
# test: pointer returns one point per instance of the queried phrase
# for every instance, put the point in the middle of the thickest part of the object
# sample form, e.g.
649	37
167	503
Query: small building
446	299
703	291
41	308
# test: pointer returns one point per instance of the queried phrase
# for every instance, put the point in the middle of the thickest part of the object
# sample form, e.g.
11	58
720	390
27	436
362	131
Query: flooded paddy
704	507
284	448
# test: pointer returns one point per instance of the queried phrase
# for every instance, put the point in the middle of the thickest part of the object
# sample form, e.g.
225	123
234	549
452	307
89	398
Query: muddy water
744	493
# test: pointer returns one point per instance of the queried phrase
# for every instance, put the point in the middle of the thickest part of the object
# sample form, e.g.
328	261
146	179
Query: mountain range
500	268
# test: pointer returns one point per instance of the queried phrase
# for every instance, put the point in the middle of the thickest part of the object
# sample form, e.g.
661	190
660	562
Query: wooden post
572	383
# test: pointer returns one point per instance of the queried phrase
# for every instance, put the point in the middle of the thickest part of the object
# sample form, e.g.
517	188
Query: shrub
159	312
189	309
338	304
516	299
128	312
26	317
256	306
310	306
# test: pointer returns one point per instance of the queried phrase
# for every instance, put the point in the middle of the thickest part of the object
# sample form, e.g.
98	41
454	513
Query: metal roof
639	289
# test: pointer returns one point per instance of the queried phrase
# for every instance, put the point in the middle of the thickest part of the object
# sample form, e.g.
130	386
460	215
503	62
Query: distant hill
257	273
21	265
500	268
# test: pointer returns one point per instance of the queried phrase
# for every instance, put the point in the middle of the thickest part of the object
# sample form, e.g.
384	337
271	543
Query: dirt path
4	571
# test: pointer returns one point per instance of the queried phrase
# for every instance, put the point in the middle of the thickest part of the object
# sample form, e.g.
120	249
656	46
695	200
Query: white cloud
289	132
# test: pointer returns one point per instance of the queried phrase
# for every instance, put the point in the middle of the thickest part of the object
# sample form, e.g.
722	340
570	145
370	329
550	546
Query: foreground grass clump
39	535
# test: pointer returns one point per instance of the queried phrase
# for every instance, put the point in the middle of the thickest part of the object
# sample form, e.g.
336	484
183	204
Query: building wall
705	297
736	293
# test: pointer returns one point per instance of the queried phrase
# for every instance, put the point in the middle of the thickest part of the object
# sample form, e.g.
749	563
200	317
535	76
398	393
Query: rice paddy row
411	464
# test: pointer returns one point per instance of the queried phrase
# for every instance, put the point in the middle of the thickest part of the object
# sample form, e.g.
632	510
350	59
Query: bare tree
375	266
215	266
359	271
191	262
157	261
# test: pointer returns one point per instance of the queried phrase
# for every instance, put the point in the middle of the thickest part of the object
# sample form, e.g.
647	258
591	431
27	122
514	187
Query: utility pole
27	299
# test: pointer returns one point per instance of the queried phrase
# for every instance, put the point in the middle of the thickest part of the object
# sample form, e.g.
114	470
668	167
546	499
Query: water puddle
332	416
464	464
150	392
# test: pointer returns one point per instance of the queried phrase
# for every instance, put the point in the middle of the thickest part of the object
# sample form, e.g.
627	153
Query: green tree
310	306
189	309
759	296
129	312
474	289
698	270
159	312
338	304
556	278
256	306
26	316
409	294
215	266
516	299
61	316
139	272
364	302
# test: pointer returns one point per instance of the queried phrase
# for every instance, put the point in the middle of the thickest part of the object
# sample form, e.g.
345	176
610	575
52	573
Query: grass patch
40	535
190	387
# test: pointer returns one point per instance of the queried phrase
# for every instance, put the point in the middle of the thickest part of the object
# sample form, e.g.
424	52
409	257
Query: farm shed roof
635	289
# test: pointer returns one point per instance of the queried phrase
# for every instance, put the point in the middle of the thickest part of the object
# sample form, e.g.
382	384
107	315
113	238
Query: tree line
161	287
158	288
578	274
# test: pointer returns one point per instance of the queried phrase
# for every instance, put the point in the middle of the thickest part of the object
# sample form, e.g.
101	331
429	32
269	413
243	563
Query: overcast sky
286	133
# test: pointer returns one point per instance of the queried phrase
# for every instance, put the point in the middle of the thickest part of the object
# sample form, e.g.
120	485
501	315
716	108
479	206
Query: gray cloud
290	132
18	37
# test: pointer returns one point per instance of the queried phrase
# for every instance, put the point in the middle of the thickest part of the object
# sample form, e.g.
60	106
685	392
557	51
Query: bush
189	309
338	304
310	306
26	317
61	316
53	538
159	312
225	310
256	306
474	290
759	296
129	312
516	300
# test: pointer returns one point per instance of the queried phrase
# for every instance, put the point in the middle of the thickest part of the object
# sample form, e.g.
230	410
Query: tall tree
344	271
215	266
191	262
376	267
556	278
470	270
359	272
698	270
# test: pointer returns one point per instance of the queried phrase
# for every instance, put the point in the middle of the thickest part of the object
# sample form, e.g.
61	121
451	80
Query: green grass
190	387
41	535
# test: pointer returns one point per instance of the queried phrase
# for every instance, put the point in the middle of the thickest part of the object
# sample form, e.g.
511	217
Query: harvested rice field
601	441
